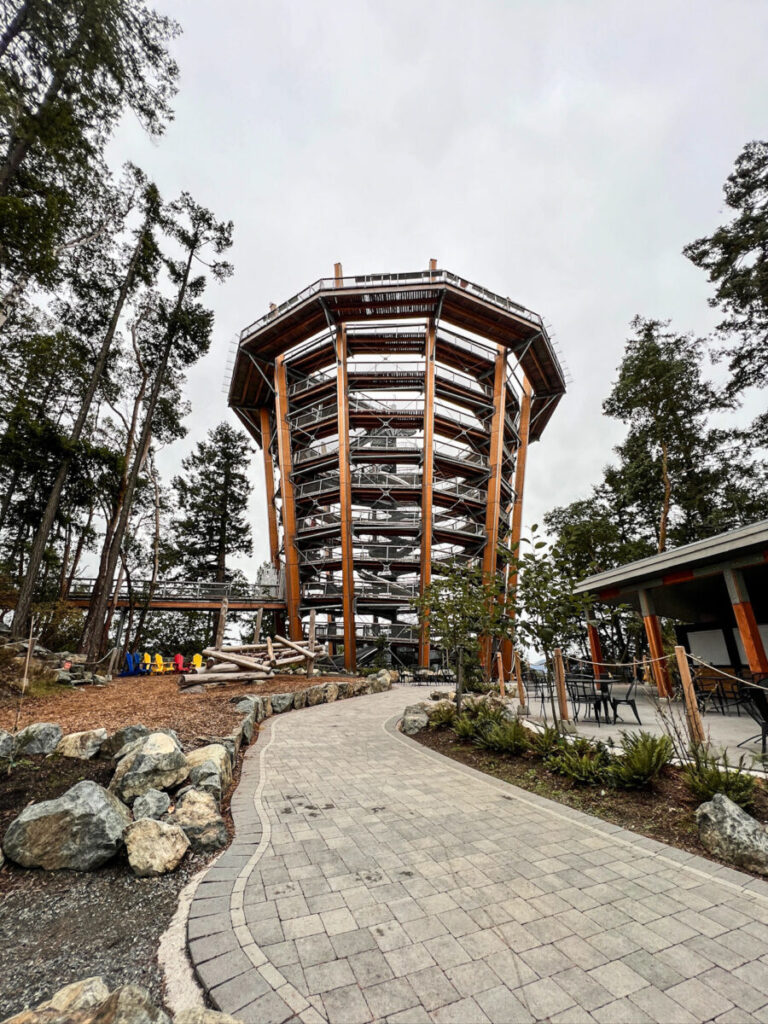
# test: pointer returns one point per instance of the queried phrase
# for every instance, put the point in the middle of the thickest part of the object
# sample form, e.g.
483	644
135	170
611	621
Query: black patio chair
583	693
629	697
754	699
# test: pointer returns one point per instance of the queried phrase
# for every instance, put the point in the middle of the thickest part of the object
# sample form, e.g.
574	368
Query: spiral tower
394	414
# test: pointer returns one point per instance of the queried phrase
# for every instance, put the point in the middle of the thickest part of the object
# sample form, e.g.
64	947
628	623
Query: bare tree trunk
665	504
37	551
78	552
96	612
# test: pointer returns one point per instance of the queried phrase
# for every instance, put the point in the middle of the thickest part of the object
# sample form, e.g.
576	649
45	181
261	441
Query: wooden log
295	660
562	696
500	670
312	630
295	647
219	678
221	624
235	659
257	629
270	651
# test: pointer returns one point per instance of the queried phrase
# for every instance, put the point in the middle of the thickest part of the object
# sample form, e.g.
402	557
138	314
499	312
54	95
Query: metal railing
368	631
182	590
365	589
387	482
372	443
364	553
312	381
376	282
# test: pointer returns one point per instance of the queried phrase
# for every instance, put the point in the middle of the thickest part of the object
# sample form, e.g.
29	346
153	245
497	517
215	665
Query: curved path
373	880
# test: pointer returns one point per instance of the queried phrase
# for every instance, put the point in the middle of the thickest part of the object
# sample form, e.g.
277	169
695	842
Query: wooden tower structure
394	413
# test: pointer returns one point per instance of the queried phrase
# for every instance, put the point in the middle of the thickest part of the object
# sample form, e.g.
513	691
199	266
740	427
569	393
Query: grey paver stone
324	977
346	1006
734	988
409	959
447	951
622	1011
660	1007
389	997
222	968
268	1009
500	1006
583	988
544	998
433	988
471	978
699	999
466	1011
315	949
236	993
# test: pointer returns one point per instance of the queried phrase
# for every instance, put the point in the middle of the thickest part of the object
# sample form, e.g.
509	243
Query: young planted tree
185	336
462	607
213	493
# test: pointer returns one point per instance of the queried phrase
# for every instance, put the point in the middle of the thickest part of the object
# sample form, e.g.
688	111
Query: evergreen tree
735	258
68	70
213	497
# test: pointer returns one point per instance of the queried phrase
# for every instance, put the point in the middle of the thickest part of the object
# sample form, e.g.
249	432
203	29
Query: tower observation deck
394	414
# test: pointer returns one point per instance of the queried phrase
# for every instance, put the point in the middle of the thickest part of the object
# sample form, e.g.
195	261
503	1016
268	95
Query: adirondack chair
178	663
197	661
158	665
146	664
131	669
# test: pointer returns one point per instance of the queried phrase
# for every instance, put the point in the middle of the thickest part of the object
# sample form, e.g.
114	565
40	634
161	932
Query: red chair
178	664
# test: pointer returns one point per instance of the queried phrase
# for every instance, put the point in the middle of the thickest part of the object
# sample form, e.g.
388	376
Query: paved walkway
372	880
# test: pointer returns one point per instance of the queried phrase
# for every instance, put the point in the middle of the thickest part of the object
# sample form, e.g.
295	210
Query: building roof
747	545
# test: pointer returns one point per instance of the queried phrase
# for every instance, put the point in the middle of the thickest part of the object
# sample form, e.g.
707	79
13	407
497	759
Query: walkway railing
181	590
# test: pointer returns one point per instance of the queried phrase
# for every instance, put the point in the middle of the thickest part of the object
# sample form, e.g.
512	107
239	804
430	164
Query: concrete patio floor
374	880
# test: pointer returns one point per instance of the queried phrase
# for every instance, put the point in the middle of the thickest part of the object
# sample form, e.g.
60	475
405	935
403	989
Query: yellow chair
197	661
158	666
147	663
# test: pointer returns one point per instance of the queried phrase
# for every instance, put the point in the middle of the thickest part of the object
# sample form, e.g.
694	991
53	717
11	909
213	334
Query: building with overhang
394	413
716	590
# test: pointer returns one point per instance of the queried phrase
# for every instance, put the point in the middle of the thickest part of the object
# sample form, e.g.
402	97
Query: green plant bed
663	809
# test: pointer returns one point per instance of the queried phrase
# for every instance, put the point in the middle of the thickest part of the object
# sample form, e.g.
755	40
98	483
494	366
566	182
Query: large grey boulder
414	719
40	738
199	816
82	745
729	832
154	847
281	702
80	830
207	778
218	754
156	764
80	995
7	743
130	1004
330	692
118	740
152	804
300	699
315	695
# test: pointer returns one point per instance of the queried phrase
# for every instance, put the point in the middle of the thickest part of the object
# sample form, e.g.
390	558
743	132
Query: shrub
587	767
442	716
503	737
464	727
547	743
643	758
706	775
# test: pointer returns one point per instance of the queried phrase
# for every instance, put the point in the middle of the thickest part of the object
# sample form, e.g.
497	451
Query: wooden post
695	726
493	500
312	630
500	670
596	649
517	509
562	696
653	632
221	624
745	620
292	578
345	500
269	478
427	480
257	630
521	694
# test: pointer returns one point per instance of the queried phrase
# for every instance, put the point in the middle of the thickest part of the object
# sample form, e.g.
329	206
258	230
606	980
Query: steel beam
427	481
292	580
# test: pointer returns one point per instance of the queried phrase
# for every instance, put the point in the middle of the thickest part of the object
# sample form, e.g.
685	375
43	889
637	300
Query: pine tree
213	497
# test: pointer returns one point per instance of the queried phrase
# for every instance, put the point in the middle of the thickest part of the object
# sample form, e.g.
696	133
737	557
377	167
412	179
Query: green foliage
212	524
643	758
464	727
547	743
502	737
582	761
442	717
706	774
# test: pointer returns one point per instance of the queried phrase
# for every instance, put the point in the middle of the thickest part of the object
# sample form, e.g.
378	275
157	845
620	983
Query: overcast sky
561	153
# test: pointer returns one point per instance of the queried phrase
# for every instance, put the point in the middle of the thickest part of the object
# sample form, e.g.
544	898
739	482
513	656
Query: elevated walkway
181	595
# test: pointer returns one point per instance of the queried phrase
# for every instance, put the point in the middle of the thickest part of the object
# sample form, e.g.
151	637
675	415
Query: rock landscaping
728	832
91	1002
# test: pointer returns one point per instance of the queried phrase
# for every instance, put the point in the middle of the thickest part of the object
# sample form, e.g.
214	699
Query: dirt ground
665	811
154	701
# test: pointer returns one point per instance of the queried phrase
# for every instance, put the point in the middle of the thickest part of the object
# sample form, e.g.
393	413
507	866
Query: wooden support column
269	476
562	694
493	503
516	531
745	620
596	649
427	480
345	496
659	667
292	579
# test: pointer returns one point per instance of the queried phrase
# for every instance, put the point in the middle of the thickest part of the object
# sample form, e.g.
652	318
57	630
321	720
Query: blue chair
130	666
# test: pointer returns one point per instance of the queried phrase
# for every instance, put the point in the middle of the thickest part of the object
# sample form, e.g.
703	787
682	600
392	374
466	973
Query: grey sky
561	153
